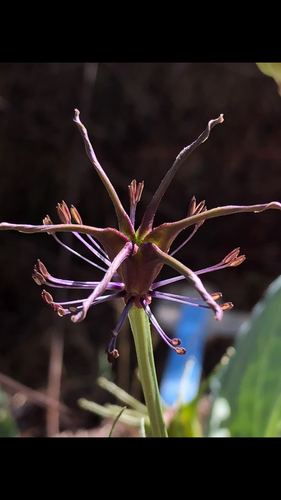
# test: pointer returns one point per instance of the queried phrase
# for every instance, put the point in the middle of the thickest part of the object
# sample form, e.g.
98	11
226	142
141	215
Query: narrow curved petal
191	277
164	235
148	217
123	219
120	257
110	238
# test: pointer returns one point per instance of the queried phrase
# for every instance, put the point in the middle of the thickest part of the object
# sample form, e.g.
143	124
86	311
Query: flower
133	258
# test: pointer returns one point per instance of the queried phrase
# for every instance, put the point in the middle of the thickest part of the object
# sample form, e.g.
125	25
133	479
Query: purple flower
133	258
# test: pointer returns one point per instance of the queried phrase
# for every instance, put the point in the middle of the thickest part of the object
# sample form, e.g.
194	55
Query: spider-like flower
133	258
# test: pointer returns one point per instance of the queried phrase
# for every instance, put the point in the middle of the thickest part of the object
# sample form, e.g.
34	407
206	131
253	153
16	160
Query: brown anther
216	295
200	208
237	261
38	278
47	222
231	256
75	215
175	342
226	306
135	191
139	191
42	269
73	309
63	213
47	297
198	224
59	310
192	206
180	350
112	356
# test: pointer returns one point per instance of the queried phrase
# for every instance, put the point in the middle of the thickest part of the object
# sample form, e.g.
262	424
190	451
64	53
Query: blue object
192	330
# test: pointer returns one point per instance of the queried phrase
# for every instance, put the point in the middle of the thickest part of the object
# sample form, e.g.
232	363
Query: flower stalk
142	338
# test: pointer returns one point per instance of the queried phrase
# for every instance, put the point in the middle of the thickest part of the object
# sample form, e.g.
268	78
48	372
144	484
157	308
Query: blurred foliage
139	116
248	389
8	427
273	70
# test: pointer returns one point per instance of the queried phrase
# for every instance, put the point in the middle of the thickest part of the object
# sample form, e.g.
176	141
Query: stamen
112	352
233	259
185	241
75	215
170	342
77	254
192	210
227	306
78	220
93	250
182	299
42	277
97	246
135	192
63	213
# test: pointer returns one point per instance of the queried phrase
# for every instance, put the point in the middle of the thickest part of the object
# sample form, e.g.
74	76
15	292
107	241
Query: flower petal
148	218
123	219
120	257
111	239
164	235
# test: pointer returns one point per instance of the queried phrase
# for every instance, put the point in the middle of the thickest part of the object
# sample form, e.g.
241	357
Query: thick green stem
142	337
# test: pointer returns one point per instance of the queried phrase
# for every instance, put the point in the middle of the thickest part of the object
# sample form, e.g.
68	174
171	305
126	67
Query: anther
226	306
231	256
180	350
237	261
63	213
38	278
112	355
42	269
175	342
47	297
75	215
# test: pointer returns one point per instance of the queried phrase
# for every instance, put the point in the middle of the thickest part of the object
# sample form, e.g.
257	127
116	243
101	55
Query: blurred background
139	116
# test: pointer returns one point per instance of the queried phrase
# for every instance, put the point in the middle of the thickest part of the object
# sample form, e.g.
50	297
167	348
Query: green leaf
273	70
116	420
8	426
248	399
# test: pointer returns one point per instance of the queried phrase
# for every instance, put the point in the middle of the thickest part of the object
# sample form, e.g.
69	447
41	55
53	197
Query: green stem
142	337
